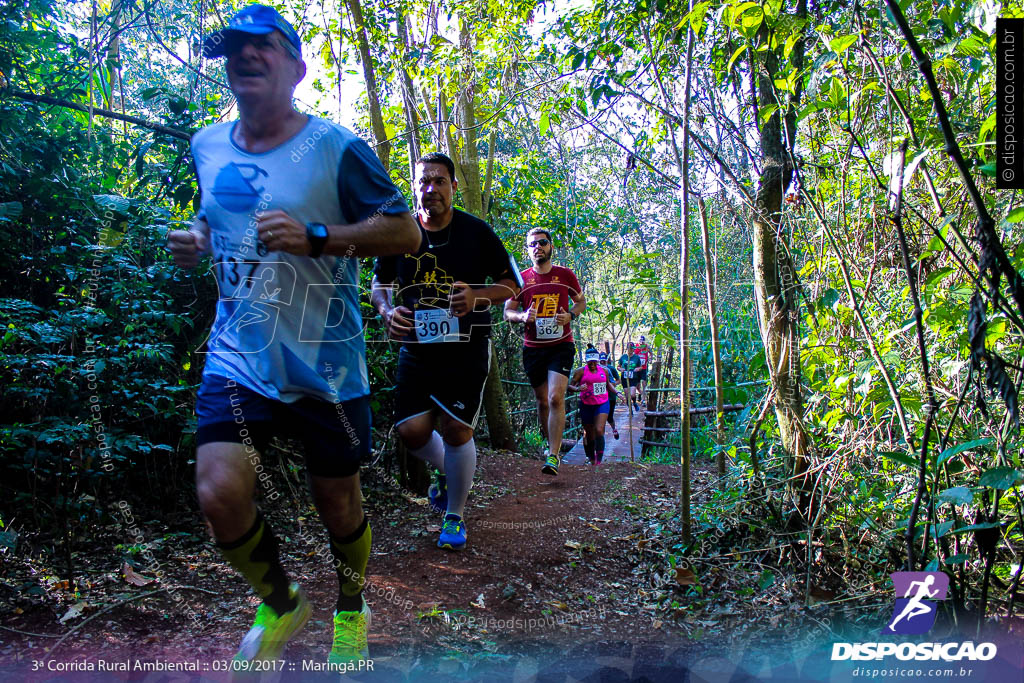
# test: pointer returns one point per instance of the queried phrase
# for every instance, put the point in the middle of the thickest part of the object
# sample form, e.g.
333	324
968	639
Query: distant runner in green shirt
629	363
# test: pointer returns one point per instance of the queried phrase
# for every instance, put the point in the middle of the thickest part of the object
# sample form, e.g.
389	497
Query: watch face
318	229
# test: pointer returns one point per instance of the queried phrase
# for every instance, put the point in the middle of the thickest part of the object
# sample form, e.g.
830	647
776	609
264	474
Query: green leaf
1001	478
957	559
972	46
958	495
975	527
987	127
544	123
956	450
10	209
900	457
735	55
113	202
1016	216
842	44
989	169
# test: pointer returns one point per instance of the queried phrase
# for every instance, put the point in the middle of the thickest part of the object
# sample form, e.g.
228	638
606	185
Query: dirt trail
615	450
544	570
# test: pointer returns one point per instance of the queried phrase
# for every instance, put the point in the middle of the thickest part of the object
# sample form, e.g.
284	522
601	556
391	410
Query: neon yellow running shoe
350	631
550	465
270	632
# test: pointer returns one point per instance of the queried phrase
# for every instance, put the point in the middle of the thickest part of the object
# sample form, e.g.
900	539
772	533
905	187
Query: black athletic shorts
449	376
639	376
335	436
538	361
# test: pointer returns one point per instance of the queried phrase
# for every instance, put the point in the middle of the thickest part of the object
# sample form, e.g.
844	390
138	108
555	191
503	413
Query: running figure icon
916	593
915	607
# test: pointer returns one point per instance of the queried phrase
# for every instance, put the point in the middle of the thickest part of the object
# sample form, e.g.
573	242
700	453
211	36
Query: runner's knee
225	479
415	432
339	502
222	497
456	433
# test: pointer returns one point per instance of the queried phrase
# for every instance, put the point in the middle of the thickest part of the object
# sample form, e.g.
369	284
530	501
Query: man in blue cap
287	201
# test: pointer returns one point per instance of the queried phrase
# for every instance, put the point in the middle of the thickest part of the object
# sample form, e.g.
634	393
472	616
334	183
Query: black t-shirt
465	251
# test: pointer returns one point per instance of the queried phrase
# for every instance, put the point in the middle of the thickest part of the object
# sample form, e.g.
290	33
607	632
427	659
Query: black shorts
334	436
538	361
639	376
449	376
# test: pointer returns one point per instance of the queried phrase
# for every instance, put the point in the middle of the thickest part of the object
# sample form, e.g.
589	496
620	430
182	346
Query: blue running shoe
453	533
437	494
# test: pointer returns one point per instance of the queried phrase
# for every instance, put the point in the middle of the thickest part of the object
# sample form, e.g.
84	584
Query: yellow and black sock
255	556
351	554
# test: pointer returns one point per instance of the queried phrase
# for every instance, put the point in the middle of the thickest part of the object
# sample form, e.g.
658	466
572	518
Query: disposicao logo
914	614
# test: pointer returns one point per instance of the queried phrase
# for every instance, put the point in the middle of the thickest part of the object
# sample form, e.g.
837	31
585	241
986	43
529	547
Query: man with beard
544	307
441	317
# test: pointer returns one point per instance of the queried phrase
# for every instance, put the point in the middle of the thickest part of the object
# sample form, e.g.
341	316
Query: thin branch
994	262
933	406
46	99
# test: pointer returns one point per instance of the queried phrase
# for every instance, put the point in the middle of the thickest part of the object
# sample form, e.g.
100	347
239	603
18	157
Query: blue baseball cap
602	356
590	355
256	20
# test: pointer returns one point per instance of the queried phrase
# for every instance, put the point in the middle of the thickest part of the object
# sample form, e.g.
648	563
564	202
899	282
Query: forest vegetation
797	197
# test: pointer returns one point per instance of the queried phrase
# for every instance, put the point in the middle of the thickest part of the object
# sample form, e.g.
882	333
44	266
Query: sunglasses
541	243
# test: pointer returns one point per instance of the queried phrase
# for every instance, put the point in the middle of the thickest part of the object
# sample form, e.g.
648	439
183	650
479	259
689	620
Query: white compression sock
460	464
432	452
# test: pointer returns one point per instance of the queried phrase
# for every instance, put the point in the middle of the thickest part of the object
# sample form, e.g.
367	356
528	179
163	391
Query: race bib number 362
436	325
547	328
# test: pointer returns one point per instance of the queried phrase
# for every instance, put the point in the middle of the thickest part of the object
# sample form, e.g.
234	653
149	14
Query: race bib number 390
547	328
436	325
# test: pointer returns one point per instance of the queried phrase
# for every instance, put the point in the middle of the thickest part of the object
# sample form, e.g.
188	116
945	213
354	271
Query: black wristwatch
572	316
316	233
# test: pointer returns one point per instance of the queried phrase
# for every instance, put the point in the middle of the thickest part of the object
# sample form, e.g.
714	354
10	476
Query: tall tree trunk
412	136
467	172
716	346
489	176
469	158
496	408
451	148
775	286
382	147
681	152
114	58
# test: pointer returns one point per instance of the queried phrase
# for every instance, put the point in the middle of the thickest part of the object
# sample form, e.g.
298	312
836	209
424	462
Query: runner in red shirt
551	299
644	351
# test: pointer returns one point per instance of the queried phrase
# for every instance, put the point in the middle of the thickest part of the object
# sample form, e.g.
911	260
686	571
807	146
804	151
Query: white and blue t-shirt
288	326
